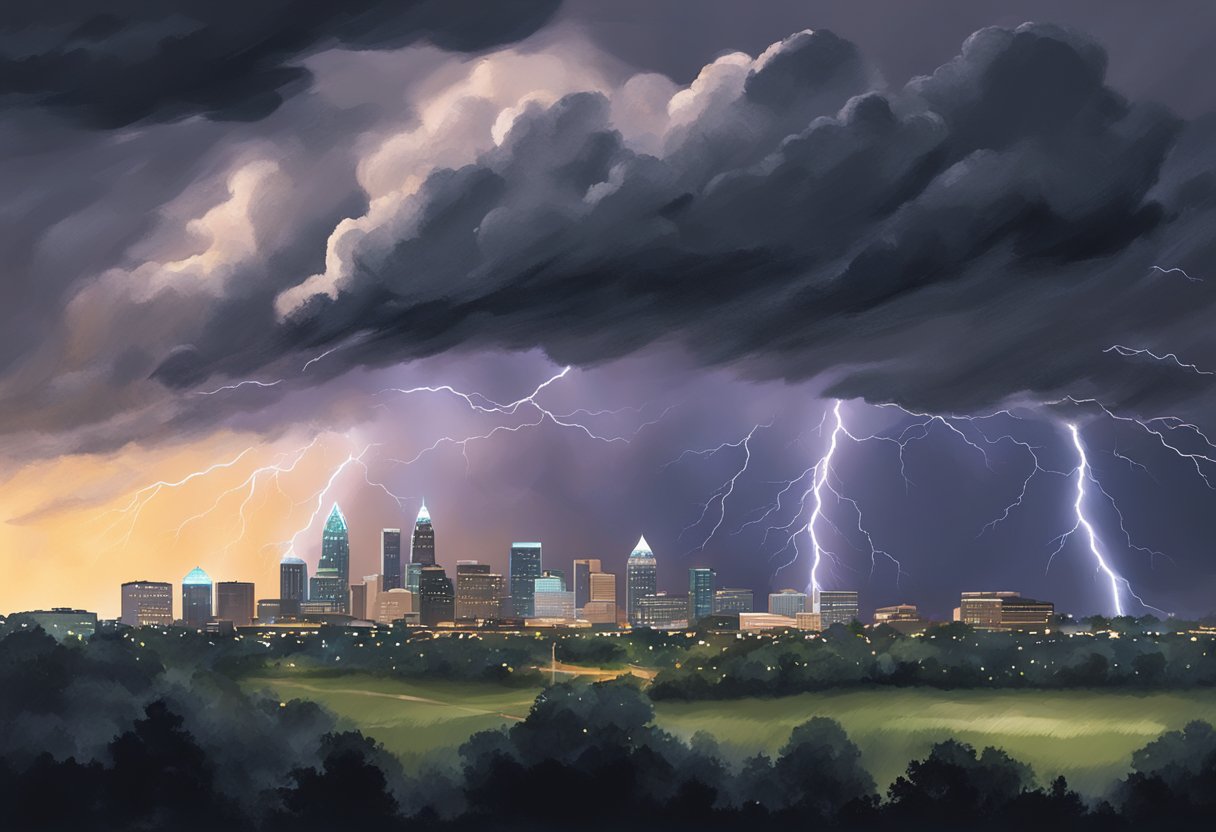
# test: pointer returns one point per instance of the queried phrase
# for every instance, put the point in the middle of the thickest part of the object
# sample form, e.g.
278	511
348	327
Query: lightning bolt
1178	270
723	492
480	403
318	499
1128	352
1083	524
238	385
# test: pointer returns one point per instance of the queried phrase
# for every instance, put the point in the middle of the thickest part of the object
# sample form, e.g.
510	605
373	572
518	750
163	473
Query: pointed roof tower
642	550
424	516
336	521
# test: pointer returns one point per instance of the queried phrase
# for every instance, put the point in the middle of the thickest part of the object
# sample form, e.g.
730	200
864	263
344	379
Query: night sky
231	240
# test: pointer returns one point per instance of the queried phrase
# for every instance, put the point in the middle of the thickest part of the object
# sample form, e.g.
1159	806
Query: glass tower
422	542
641	578
196	598
700	594
390	558
524	569
293	584
333	573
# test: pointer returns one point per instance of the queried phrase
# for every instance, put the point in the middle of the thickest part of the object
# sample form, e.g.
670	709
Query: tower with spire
641	578
422	541
332	580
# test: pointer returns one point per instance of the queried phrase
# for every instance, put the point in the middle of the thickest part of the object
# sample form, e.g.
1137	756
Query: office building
396	605
293	584
524	569
787	602
1020	614
641	579
838	606
700	593
758	622
583	570
390	558
61	623
550	599
903	618
660	611
810	621
982	610
422	541
358	601
600	607
478	591
730	600
313	608
373	587
147	603
332	581
270	610
234	602
436	596
196	598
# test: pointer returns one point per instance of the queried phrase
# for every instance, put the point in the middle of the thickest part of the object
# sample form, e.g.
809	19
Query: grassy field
1086	735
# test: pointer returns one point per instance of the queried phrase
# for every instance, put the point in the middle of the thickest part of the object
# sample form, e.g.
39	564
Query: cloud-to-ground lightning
723	492
1082	523
1169	357
1176	270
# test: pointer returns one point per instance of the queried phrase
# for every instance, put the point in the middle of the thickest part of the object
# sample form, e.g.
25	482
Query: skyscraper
641	578
147	602
550	598
436	596
583	570
358	600
332	580
700	594
234	602
390	558
422	542
788	602
478	591
837	607
524	570
196	598
293	584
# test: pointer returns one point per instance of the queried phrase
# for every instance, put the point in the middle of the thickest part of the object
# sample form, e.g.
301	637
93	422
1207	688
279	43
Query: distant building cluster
413	588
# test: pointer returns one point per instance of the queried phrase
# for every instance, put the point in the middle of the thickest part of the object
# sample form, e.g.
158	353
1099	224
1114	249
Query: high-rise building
982	610
390	558
583	569
838	606
730	600
358	601
550	599
600	607
293	584
147	603
196	598
437	597
700	593
332	580
422	541
234	602
524	570
661	611
787	602
641	578
478	591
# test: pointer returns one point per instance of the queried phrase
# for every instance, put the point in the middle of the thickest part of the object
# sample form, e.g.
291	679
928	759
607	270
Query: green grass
1088	736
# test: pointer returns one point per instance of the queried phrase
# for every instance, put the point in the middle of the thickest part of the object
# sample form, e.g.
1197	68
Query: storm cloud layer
982	235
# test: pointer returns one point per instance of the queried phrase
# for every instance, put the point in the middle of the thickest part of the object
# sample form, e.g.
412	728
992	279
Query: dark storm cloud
982	233
112	64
